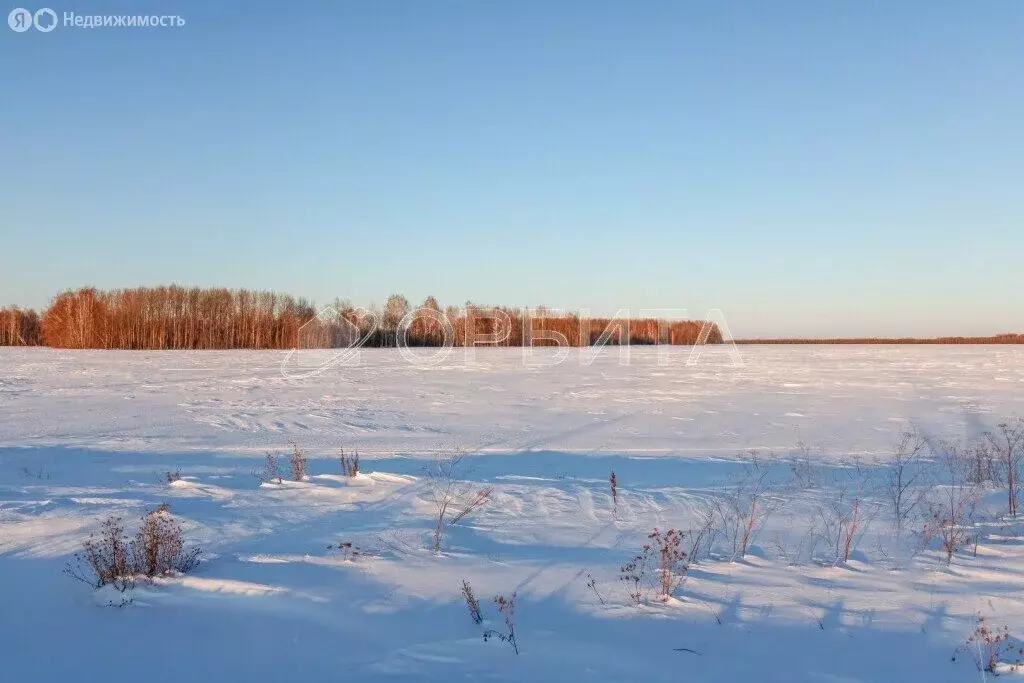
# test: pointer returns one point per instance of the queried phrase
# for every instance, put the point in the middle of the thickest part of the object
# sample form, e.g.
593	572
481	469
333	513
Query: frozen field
84	435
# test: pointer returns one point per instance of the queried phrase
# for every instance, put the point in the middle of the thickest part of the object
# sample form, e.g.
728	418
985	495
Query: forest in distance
1003	338
193	318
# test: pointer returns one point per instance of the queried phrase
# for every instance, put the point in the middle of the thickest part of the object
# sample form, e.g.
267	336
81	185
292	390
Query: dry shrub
592	585
987	645
349	465
672	561
633	575
507	609
297	460
108	558
349	551
665	557
452	499
159	549
613	483
271	472
472	604
40	473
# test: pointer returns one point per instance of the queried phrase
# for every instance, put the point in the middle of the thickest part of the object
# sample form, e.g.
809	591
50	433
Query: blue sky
811	168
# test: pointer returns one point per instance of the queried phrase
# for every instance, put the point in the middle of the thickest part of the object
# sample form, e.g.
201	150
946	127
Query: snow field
87	435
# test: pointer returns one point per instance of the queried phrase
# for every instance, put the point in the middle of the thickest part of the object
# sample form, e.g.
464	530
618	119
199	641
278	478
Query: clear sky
811	168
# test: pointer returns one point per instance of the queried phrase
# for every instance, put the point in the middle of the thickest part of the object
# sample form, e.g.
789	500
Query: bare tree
955	499
395	309
702	538
846	512
1008	443
427	328
19	327
453	499
795	548
806	473
986	463
747	504
905	483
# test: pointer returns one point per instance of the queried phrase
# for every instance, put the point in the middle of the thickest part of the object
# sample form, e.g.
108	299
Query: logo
45	20
21	20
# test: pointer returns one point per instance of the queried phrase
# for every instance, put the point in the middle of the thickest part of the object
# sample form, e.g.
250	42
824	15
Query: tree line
193	318
19	327
1004	338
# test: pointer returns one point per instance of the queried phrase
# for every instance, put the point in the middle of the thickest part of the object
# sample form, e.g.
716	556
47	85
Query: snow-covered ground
84	435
